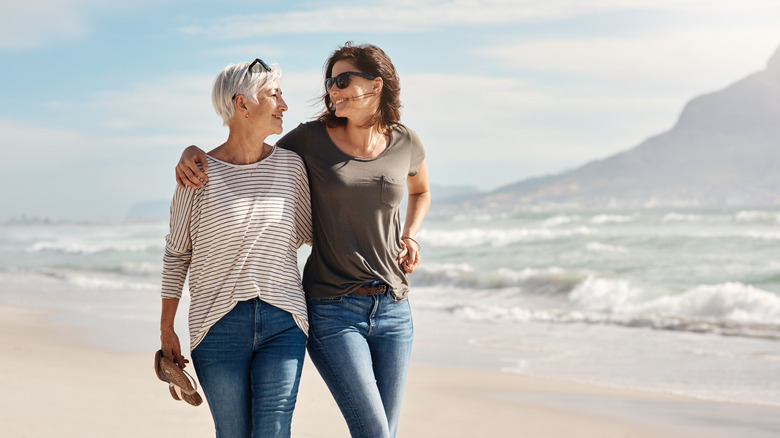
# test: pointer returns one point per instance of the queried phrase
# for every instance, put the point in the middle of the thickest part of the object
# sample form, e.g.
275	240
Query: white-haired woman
238	237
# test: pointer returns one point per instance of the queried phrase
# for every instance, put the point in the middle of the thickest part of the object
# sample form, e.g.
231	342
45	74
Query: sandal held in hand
181	385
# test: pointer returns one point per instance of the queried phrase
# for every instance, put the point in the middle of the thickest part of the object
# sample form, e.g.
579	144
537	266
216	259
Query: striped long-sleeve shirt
238	237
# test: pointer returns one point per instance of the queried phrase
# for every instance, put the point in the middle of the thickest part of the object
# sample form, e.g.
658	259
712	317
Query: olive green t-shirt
355	210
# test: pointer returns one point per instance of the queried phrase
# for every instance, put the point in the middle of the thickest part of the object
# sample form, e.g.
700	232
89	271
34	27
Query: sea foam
469	237
730	302
85	247
548	280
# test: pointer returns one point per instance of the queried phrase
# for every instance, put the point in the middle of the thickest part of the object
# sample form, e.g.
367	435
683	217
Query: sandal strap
186	391
173	386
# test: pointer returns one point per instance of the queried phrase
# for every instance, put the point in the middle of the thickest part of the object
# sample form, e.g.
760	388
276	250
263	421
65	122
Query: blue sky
99	98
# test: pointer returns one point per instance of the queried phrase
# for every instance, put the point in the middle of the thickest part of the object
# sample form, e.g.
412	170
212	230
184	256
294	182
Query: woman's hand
171	348
409	257
188	174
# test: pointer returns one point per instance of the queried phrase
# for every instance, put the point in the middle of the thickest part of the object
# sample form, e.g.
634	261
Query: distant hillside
449	193
723	151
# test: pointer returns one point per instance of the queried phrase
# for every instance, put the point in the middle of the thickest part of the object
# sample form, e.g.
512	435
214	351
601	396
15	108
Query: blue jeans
249	365
361	347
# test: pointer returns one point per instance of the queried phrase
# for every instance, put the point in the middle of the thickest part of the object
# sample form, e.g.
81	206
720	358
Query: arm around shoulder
188	174
303	215
296	140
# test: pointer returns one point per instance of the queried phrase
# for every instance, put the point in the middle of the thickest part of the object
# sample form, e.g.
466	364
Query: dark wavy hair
370	59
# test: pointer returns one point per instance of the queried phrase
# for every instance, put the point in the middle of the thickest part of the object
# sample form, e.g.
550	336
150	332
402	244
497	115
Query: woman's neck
363	141
242	148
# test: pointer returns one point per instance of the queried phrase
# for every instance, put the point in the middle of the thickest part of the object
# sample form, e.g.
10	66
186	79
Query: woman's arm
188	174
417	207
303	225
171	347
176	263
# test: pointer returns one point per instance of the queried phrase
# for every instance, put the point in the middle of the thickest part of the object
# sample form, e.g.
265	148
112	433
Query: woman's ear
239	102
378	85
239	105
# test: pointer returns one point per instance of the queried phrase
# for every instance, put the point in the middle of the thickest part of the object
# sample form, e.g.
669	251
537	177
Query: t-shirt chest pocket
392	191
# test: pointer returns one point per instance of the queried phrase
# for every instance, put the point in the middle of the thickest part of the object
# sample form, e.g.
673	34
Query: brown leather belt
371	290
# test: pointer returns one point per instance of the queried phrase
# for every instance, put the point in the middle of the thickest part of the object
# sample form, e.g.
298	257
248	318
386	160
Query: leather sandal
180	384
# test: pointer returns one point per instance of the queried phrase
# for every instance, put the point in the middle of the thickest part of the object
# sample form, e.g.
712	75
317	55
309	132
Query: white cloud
33	23
179	104
30	24
82	171
265	51
422	15
472	124
673	60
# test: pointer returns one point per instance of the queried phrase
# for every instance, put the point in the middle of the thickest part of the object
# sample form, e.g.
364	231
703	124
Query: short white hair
234	80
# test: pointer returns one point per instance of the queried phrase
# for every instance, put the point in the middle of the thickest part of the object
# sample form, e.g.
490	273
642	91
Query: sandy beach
53	385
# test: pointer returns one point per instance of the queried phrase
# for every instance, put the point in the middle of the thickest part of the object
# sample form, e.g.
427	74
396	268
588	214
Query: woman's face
358	99
266	114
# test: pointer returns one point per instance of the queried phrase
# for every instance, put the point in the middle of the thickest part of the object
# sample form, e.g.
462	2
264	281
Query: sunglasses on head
342	80
255	66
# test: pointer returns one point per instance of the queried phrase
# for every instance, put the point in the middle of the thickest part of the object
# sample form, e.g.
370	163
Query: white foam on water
757	217
559	220
763	235
75	281
598	247
470	237
604	295
727	302
477	217
678	217
602	219
141	268
551	279
103	282
730	301
87	247
731	308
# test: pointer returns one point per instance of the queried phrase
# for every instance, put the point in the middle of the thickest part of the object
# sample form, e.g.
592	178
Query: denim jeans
249	365
361	347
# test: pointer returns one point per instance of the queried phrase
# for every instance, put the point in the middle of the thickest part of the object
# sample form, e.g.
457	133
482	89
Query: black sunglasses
342	80
255	66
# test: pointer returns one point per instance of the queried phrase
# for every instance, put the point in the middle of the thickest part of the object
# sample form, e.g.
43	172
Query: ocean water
686	302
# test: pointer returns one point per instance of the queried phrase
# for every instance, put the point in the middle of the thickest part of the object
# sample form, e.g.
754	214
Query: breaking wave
729	308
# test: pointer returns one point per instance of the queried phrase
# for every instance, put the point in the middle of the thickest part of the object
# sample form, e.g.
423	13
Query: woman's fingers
192	166
171	348
188	177
180	360
412	260
404	252
178	179
187	171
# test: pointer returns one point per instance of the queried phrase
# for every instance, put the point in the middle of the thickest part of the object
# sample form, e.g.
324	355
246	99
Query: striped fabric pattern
238	237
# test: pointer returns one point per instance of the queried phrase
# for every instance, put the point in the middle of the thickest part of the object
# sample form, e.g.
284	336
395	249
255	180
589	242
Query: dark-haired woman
360	159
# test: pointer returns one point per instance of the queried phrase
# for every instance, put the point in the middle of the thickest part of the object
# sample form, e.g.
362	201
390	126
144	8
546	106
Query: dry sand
51	385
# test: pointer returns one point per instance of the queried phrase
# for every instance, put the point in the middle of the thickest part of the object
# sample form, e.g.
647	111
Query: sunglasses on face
342	80
255	66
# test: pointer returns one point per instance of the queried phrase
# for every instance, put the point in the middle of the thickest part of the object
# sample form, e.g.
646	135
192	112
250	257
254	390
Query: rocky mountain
724	150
